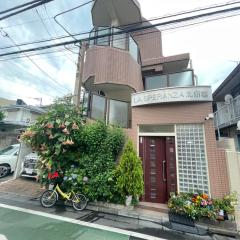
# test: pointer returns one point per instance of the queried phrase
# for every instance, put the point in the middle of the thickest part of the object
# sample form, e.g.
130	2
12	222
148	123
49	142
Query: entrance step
156	207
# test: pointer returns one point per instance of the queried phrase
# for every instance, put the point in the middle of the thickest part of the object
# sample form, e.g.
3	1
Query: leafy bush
201	205
129	173
84	153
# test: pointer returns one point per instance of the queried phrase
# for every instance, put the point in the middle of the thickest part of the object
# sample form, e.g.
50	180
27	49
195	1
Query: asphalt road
126	223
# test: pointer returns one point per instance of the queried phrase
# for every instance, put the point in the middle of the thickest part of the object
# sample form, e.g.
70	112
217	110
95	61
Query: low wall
233	165
7	139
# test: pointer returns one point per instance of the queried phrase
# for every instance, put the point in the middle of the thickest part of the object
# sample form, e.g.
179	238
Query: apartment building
130	82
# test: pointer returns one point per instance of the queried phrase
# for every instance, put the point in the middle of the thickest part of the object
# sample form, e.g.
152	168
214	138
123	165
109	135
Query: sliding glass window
103	41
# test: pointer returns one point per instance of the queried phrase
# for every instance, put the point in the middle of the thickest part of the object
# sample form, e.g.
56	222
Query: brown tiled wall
149	43
187	113
112	65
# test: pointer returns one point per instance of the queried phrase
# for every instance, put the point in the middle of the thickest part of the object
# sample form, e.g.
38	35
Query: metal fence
229	114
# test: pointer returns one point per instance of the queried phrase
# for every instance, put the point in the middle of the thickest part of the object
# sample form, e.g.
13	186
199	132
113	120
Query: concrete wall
233	166
7	139
24	150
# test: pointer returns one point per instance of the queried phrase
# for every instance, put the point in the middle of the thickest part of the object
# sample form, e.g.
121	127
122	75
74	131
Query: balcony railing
111	111
122	41
229	114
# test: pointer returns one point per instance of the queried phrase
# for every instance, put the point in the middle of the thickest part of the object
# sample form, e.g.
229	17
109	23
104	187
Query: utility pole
79	75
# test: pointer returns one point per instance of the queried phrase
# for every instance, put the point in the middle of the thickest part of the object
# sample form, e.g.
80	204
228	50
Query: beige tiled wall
176	113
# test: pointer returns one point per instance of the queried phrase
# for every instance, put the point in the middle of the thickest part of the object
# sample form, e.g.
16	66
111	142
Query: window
118	113
120	40
181	79
98	107
104	41
169	80
154	82
133	48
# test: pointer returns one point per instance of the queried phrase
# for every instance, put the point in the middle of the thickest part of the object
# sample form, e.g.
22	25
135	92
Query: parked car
29	166
8	159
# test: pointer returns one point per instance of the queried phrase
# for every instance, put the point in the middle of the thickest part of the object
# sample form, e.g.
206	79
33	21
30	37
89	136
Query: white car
8	159
29	166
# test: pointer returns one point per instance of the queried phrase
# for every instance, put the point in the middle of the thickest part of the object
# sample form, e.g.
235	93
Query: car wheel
4	171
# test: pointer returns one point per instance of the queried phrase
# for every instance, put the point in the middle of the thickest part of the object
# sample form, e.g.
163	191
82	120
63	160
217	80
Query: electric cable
34	63
25	9
149	20
131	30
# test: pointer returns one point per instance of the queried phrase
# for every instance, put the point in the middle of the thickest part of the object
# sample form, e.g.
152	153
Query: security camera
207	118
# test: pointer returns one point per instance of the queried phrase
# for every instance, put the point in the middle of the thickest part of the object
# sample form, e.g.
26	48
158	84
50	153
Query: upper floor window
169	80
122	41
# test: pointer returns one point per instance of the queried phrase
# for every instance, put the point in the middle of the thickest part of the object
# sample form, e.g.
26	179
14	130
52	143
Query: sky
213	46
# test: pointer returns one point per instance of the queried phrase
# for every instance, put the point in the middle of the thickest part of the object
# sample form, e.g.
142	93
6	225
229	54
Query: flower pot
181	219
128	200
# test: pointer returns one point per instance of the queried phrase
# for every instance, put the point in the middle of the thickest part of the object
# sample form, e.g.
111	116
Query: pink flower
65	131
75	126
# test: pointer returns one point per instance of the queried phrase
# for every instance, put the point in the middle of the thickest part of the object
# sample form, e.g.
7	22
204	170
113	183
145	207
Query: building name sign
167	95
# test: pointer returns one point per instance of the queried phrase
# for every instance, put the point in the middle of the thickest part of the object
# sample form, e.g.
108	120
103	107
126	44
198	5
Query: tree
130	173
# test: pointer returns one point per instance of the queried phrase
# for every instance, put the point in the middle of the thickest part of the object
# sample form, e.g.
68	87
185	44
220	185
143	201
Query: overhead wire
149	20
129	30
5	34
25	9
138	34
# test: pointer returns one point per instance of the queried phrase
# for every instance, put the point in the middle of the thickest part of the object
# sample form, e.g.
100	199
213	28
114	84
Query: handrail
228	114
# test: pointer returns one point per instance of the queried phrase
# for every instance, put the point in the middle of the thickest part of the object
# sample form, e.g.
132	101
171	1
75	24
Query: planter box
181	219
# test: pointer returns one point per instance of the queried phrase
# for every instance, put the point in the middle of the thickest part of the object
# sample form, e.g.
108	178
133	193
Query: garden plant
85	154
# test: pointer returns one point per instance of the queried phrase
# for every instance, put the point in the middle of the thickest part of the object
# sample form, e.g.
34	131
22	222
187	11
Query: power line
25	9
69	58
149	20
20	6
69	10
128	30
33	62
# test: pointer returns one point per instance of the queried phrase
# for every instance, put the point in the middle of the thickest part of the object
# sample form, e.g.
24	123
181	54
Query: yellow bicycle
50	197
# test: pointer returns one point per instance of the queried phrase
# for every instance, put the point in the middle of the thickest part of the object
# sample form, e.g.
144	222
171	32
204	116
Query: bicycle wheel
79	202
48	198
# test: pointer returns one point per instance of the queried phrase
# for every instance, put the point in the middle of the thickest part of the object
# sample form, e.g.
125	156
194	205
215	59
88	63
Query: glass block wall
192	163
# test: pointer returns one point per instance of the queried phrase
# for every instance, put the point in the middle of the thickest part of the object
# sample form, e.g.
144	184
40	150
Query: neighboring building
226	103
17	118
169	118
6	102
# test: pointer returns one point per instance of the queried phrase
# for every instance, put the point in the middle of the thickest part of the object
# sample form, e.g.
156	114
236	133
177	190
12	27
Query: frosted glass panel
118	113
133	49
154	82
98	107
181	79
104	40
119	41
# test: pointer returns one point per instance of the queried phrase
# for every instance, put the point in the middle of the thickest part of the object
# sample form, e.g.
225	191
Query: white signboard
176	94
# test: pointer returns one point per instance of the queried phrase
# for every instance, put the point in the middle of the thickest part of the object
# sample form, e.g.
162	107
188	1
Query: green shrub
129	173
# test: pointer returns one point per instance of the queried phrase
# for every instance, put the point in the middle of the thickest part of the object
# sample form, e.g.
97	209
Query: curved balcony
111	66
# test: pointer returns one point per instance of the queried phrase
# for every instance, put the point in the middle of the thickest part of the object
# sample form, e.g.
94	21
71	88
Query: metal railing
228	114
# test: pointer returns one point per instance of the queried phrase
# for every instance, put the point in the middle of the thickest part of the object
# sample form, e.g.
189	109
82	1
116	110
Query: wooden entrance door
159	163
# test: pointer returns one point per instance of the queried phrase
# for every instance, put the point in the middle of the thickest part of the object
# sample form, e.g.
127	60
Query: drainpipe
78	81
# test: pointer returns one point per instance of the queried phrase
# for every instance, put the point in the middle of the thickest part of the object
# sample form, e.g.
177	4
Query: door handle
163	171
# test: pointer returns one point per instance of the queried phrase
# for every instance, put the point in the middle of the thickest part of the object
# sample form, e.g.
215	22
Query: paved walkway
25	193
22	186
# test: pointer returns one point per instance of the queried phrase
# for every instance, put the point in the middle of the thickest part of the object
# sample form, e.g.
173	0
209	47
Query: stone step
156	207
